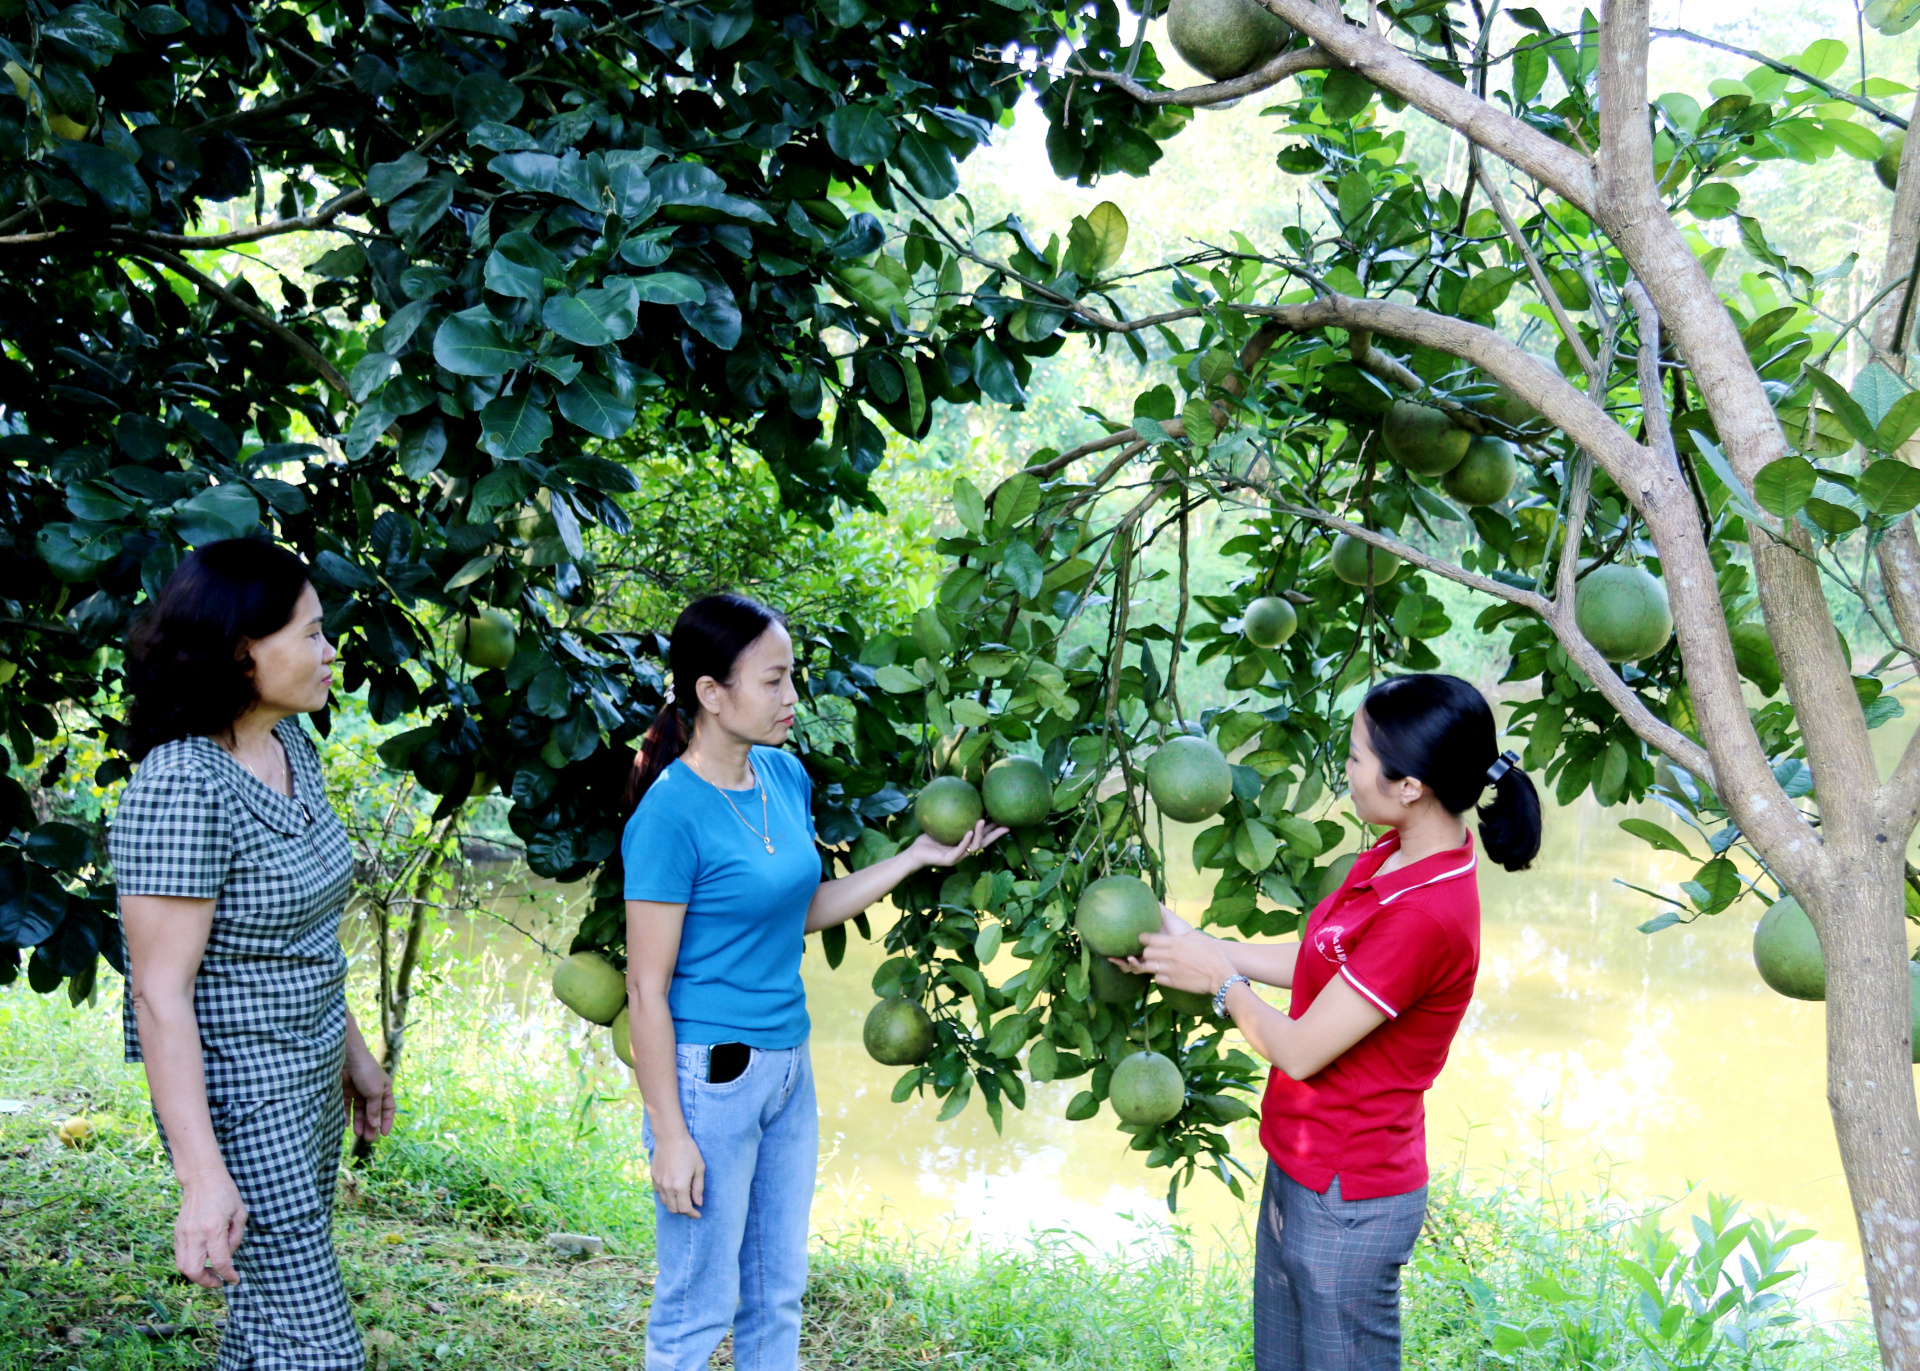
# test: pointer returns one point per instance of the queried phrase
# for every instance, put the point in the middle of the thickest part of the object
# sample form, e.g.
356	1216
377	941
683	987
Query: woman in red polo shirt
1381	978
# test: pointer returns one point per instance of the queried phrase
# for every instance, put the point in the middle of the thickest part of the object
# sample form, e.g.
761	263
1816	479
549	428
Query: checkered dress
269	999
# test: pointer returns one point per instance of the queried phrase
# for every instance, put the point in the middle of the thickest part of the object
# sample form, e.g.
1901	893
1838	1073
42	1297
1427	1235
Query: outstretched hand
929	851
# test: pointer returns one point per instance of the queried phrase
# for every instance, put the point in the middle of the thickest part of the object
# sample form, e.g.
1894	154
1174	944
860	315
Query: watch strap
1220	995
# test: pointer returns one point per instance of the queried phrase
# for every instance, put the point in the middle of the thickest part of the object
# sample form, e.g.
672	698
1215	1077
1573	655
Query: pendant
769	849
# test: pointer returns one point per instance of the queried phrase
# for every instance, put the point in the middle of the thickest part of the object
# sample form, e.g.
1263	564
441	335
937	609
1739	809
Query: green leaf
1902	421
1254	845
1831	516
388	181
470	344
593	403
898	680
594	318
1082	1106
520	266
216	513
1713	200
968	506
1097	239
486	97
861	134
1782	486
514	426
1486	291
421	208
159	20
995	374
85	32
472	571
717	318
1823	57
1723	472
1844	407
1022	568
1714	886
109	176
1571	287
1197	418
1015	502
668	288
1889	487
535	172
1877	391
1648	831
1354	194
927	164
1344	94
1304	839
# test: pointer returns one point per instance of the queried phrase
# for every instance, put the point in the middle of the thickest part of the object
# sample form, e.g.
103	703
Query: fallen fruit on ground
1222	39
898	1032
1114	914
1189	779
78	1132
1786	951
1016	793
1623	612
1146	1088
1485	476
486	640
1269	621
948	808
1350	556
1423	439
591	986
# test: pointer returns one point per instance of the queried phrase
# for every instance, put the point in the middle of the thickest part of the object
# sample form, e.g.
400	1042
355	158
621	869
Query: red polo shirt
1409	941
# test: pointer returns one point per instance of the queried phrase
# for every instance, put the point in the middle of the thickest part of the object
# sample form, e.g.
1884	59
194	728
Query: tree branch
1833	92
1259	79
346	202
1653	402
1540	285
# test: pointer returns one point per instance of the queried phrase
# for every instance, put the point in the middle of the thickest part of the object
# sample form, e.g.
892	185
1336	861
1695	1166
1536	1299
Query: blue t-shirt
737	978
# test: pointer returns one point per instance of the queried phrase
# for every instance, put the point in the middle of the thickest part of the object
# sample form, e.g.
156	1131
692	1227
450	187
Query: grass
442	1243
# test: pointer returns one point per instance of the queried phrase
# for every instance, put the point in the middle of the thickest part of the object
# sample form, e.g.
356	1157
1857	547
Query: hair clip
1501	766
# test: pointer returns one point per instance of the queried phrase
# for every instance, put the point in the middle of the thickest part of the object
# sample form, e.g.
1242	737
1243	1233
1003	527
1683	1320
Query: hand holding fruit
928	850
1183	960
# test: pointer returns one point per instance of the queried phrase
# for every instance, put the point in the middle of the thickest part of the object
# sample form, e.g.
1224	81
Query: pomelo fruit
1893	145
1114	913
1160	711
1350	562
79	1132
1146	1088
1016	793
591	986
1222	39
1108	984
1423	439
1188	1002
1753	653
1623	612
898	1032
486	640
1485	475
948	809
1269	621
1786	951
1335	874
622	1030
1189	779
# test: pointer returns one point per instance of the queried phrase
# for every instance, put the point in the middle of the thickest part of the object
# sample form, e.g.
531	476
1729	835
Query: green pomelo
1108	984
1893	145
1188	1002
591	986
1016	793
948	809
1350	562
1146	1088
1335	874
1623	612
1114	914
1485	475
486	640
1786	951
622	1031
1423	439
1269	621
1753	653
1222	39
898	1032
1160	711
1189	779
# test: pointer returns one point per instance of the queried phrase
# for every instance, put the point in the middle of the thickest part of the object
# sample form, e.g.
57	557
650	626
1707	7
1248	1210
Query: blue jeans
1326	1276
743	1262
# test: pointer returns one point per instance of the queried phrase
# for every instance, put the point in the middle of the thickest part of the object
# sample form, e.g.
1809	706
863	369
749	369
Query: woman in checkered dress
232	871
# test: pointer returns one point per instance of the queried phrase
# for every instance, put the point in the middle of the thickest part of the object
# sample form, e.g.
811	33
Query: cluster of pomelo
594	988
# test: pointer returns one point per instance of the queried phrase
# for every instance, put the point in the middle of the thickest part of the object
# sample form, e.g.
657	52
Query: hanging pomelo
1189	779
591	986
1222	39
948	808
1350	562
1114	914
1423	439
1146	1088
1015	792
486	640
1108	984
1893	145
1786	951
1269	621
1485	475
622	1030
898	1032
1623	612
1193	1002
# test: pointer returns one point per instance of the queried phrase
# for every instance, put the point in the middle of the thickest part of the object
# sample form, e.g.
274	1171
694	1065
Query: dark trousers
1326	1277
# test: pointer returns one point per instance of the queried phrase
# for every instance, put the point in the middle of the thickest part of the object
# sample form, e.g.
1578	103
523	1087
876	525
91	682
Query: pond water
1655	1064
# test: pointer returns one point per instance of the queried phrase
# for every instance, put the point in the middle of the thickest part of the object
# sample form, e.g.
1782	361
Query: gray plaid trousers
1326	1276
290	1311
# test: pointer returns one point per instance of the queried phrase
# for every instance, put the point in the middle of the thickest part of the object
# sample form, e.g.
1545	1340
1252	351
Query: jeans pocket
733	1087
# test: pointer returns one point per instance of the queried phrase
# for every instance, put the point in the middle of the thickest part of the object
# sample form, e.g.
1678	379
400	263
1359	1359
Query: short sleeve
657	851
1403	955
172	834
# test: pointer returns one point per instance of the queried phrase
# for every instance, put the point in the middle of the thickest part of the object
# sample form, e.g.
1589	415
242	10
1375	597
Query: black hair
1439	730
707	640
187	669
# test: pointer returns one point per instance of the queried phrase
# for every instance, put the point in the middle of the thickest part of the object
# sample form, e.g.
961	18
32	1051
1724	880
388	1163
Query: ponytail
1439	730
707	641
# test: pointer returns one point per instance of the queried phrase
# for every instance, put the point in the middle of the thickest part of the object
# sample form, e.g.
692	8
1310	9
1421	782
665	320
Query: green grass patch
515	1126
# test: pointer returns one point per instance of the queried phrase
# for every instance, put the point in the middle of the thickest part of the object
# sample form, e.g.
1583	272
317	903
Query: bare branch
1074	454
1832	92
347	202
1653	399
1546	292
1259	79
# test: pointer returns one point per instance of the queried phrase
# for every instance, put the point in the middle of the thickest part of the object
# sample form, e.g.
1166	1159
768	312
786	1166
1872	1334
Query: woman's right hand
1172	924
212	1219
680	1174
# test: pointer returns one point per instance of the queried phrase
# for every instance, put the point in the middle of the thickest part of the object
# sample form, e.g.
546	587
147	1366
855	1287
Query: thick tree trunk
1860	916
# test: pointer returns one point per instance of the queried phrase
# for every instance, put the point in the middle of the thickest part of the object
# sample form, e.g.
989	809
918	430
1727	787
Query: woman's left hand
1181	961
369	1092
928	851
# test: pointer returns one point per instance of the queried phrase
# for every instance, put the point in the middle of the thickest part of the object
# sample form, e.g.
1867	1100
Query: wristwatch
1220	995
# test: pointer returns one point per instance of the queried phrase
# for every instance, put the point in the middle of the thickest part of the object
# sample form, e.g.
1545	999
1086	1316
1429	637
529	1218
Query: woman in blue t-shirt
723	885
